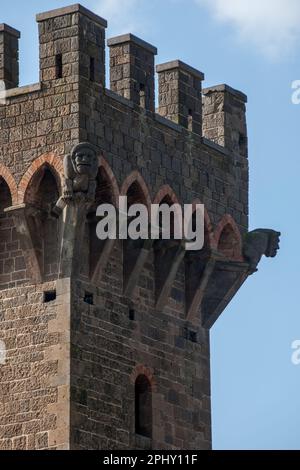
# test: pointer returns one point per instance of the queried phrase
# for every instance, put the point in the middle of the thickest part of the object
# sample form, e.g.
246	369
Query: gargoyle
260	242
80	171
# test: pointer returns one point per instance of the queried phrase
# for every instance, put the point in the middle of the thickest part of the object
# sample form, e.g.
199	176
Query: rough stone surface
68	381
9	57
132	69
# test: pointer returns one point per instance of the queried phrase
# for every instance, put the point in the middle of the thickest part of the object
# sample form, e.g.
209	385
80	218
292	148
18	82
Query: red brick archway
49	159
208	226
136	177
140	369
11	183
112	179
227	222
164	191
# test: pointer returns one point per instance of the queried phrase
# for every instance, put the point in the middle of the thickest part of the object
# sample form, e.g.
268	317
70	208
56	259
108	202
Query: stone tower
105	344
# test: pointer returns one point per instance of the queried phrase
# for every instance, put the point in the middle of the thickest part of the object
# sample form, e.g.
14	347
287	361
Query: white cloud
122	15
272	26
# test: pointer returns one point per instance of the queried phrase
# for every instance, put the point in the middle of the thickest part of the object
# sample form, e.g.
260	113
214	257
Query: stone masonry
82	320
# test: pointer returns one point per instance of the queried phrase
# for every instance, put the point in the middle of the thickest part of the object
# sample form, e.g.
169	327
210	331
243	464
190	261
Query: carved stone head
273	245
84	159
260	242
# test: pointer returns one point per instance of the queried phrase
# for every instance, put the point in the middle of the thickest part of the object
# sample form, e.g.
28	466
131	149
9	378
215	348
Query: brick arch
207	222
11	183
227	221
164	191
140	369
111	177
52	161
136	177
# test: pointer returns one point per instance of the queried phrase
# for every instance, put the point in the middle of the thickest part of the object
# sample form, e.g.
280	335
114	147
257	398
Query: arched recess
169	250
6	175
110	190
136	251
197	265
166	193
208	229
228	239
42	191
144	387
136	190
99	251
12	263
167	196
141	369
143	406
52	161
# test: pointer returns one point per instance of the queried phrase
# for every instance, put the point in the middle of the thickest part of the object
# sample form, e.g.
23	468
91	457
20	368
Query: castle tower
105	344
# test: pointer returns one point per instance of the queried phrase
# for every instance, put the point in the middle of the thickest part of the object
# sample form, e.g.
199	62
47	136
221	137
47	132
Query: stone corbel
79	185
169	255
198	270
100	251
224	281
136	253
28	219
221	278
72	234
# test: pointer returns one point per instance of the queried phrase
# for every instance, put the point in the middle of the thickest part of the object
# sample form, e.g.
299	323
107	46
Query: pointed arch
141	192
111	179
208	229
228	239
148	372
143	406
50	160
7	176
166	192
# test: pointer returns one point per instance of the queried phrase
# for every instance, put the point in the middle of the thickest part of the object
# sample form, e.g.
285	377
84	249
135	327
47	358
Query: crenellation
224	118
180	97
9	57
72	45
132	69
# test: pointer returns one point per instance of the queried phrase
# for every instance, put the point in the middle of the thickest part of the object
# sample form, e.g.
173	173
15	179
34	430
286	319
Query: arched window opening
42	194
167	201
135	195
5	196
93	249
104	190
42	191
12	265
143	406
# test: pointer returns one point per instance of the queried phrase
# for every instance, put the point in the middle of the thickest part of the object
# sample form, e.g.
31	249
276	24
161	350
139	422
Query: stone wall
34	386
72	362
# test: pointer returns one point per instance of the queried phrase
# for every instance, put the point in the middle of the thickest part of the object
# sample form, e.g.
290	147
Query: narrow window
89	298
131	314
92	69
143	406
193	336
58	65
49	296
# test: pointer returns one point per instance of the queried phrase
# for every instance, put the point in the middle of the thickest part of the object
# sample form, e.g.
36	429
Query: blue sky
254	46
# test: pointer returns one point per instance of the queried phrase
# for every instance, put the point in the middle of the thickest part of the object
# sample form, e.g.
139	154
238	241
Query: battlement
72	50
9	56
